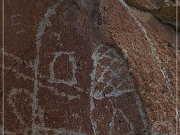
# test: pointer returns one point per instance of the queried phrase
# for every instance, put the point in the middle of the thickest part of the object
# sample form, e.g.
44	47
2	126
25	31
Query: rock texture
88	67
164	10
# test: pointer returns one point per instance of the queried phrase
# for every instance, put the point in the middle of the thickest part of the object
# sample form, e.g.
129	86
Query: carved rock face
107	79
75	80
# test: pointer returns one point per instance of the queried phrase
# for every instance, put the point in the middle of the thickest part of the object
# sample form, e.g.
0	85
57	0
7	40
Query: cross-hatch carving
110	75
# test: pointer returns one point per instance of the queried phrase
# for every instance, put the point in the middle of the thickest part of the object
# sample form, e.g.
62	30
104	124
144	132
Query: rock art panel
75	81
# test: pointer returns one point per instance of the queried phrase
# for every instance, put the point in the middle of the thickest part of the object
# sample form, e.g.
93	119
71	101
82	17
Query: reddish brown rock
87	68
163	10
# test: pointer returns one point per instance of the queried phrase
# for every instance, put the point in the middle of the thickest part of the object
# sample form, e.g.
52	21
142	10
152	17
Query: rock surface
164	10
82	67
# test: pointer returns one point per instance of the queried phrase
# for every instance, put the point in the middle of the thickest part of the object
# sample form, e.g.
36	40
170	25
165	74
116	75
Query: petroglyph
36	109
13	96
19	60
58	105
40	115
97	93
72	80
58	93
117	113
28	64
53	89
53	79
107	61
58	131
140	109
45	130
115	85
109	78
18	74
45	22
162	127
35	112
